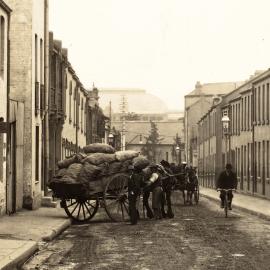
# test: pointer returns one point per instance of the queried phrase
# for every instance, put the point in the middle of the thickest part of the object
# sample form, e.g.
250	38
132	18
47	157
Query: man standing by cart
155	185
134	188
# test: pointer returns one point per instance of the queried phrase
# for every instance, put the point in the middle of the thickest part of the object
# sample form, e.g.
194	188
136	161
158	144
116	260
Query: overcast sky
163	46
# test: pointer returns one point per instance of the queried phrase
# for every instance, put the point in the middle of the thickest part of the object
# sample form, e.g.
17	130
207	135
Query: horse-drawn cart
81	202
188	184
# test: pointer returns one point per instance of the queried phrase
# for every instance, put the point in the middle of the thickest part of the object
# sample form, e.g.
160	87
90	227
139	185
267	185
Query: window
69	103
36	57
245	160
242	114
74	106
259	159
37	154
267	102
254	106
267	159
2	46
78	120
53	80
263	104
248	113
59	85
259	103
85	116
41	61
82	115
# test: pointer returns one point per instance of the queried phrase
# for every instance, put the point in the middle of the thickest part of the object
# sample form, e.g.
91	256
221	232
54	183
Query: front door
11	192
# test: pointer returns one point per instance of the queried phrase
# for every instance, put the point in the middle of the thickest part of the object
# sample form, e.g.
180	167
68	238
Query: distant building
140	108
197	103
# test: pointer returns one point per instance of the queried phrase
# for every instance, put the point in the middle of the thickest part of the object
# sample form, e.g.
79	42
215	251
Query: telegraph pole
123	105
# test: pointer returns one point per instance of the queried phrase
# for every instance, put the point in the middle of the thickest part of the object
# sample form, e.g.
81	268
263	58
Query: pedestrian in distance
227	180
135	184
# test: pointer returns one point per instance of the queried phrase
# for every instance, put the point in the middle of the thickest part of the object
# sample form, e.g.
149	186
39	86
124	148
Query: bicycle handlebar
226	189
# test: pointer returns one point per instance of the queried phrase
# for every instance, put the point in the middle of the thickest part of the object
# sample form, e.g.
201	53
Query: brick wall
27	20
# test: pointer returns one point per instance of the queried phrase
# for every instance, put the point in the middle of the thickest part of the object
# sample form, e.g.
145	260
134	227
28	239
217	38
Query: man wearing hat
227	180
134	187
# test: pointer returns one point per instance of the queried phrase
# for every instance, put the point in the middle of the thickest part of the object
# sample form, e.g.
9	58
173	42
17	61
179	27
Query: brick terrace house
28	75
248	144
4	102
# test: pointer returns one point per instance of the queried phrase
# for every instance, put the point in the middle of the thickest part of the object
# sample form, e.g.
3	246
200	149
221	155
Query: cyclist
227	180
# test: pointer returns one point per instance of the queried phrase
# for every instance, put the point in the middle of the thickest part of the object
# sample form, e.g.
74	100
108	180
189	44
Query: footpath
248	203
23	232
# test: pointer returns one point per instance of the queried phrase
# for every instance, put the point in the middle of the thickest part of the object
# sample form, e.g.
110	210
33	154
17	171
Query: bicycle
226	199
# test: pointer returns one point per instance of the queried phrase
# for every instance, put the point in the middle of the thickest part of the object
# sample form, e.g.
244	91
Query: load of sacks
96	160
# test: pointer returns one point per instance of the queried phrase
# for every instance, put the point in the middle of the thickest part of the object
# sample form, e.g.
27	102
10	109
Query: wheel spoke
91	205
79	211
74	208
83	210
71	204
87	209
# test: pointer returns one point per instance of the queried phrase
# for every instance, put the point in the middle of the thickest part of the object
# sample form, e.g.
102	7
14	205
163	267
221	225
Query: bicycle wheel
197	195
226	205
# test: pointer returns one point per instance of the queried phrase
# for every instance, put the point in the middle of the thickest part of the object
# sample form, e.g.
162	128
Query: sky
163	46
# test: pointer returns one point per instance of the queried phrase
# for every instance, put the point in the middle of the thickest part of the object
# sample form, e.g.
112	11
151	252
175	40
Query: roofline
5	6
262	76
126	90
213	83
257	78
198	101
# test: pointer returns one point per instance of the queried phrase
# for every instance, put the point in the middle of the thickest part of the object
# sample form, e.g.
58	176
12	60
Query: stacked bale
97	161
140	162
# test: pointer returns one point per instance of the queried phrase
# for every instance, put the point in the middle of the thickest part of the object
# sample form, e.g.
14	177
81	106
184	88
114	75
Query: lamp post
225	124
177	149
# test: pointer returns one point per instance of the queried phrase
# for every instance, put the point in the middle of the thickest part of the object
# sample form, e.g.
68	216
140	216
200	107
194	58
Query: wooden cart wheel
80	210
197	195
116	198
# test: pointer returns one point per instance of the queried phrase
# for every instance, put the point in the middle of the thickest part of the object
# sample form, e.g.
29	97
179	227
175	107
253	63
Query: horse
167	183
192	182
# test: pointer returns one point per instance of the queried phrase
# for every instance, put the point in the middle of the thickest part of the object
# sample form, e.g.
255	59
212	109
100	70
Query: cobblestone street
199	237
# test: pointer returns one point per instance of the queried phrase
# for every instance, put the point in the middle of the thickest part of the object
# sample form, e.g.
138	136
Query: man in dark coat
135	183
227	180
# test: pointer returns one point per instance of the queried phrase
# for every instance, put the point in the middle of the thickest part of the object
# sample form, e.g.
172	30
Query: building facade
74	129
246	145
75	118
5	12
28	74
